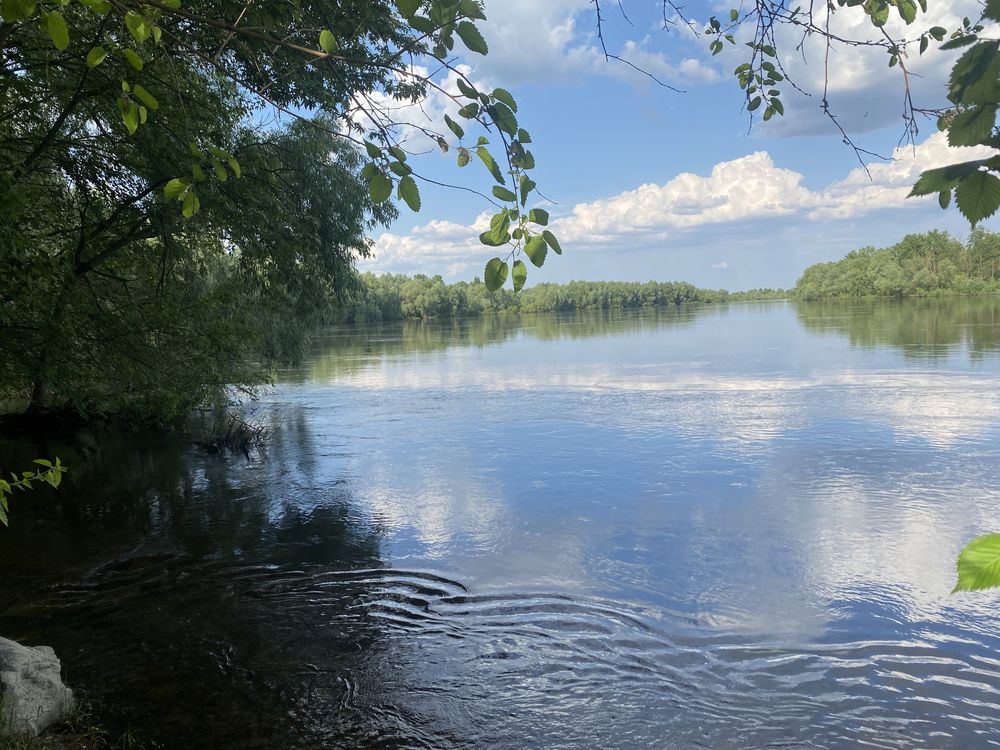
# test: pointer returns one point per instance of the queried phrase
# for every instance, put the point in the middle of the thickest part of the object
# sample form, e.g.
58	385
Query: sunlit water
713	527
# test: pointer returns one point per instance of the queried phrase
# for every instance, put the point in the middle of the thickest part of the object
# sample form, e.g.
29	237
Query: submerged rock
32	694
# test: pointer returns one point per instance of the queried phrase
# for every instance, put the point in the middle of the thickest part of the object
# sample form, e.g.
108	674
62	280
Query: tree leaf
380	188
519	274
504	96
327	41
58	31
504	194
191	205
145	97
973	126
454	127
944	198
979	564
471	37
536	250
96	56
504	118
974	75
407	8
539	216
496	274
486	158
133	58
978	196
944	178
472	9
409	192
552	242
175	188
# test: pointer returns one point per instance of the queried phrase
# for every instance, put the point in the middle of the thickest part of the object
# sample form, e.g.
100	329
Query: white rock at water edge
32	694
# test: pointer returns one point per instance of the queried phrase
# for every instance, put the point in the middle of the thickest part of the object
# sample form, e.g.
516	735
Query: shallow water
713	527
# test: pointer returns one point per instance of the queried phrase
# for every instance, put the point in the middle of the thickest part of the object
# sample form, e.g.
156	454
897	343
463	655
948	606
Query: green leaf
471	37
463	157
397	152
472	9
973	126
992	10
58	31
191	205
422	24
220	171
407	8
496	274
536	250
133	59
539	216
469	111
520	275
130	114
175	188
504	118
523	136
978	196
960	41
466	89
486	158
327	41
373	150
979	564
145	97
137	26
504	96
907	10
551	241
400	169
454	127
96	56
754	103
504	194
944	178
409	192
380	188
944	198
974	75
938	32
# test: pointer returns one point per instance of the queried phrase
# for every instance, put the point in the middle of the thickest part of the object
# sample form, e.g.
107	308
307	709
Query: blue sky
648	183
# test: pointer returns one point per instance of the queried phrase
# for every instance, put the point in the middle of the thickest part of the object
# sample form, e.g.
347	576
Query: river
705	527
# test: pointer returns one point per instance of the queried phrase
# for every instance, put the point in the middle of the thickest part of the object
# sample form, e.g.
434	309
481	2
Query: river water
706	527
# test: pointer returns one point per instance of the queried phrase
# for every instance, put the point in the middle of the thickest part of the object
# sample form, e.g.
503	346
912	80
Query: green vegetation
49	473
81	730
399	297
920	265
979	564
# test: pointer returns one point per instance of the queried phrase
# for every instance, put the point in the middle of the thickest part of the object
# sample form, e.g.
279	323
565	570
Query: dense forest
920	265
400	297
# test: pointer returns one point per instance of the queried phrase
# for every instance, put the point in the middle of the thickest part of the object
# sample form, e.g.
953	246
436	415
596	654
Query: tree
185	189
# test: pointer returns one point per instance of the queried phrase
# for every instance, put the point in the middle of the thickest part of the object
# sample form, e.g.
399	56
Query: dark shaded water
719	527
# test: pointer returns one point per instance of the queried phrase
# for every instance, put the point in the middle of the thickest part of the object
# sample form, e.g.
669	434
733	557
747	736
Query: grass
81	730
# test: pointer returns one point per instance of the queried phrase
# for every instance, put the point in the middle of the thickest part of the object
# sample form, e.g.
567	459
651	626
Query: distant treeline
921	265
399	297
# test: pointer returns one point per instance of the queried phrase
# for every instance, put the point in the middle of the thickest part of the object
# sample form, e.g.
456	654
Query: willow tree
184	187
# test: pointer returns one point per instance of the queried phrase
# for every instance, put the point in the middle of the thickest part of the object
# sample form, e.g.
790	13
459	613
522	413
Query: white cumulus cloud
745	190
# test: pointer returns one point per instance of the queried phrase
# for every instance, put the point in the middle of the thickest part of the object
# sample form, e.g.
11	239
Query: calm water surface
712	527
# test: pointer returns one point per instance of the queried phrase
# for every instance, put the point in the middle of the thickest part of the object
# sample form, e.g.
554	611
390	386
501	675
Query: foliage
309	56
50	473
973	95
183	191
919	265
979	564
399	297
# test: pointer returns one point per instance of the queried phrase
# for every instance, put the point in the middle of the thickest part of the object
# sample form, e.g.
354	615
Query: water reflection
920	328
717	527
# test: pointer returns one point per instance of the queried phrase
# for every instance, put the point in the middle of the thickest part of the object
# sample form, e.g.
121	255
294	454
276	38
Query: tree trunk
39	402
